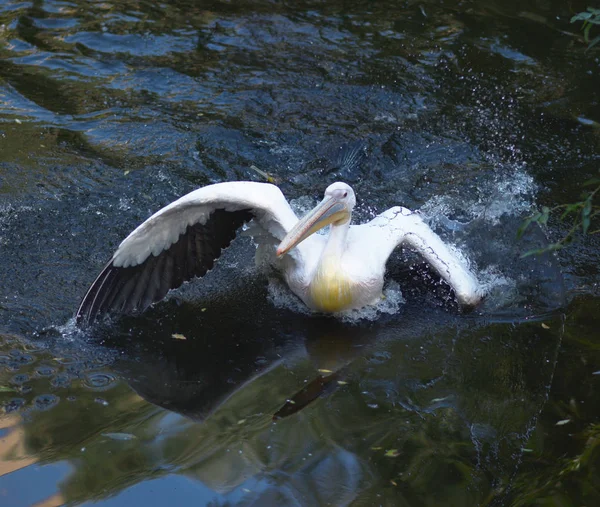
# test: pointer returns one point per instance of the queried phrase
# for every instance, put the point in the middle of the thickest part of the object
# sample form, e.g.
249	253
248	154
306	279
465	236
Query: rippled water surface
227	393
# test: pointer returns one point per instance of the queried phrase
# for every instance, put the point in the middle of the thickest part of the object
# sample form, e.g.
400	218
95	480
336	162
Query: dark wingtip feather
134	288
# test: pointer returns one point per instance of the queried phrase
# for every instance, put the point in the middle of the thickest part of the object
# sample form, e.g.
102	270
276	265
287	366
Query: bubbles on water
379	357
16	359
13	405
45	371
19	379
99	381
45	401
61	380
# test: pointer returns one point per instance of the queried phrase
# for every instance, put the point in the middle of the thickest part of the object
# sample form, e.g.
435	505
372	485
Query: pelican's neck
330	289
336	242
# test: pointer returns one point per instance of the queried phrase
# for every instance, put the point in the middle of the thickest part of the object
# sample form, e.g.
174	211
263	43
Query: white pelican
333	273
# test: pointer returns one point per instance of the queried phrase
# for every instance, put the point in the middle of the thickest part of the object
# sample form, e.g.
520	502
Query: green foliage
589	18
581	214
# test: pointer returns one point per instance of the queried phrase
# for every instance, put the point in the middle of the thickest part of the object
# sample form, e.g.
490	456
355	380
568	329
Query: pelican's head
335	208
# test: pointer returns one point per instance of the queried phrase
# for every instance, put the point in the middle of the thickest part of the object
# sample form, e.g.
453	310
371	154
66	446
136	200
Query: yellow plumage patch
331	289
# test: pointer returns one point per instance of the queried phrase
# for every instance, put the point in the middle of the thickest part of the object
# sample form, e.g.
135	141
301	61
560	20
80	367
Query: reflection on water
434	398
365	413
470	112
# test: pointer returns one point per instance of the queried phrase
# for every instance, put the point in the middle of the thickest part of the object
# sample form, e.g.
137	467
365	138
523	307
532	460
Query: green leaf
543	219
582	16
595	41
585	215
586	32
526	223
539	251
570	208
592	181
585	224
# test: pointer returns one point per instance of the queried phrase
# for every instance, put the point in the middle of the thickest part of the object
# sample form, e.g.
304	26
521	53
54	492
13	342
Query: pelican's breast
331	289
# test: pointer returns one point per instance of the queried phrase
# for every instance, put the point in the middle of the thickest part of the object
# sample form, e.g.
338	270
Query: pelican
341	271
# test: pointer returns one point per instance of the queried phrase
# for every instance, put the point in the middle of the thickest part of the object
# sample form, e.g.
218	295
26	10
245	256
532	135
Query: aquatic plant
589	18
583	216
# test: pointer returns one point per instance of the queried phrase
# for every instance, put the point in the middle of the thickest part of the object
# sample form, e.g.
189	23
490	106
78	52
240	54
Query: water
228	393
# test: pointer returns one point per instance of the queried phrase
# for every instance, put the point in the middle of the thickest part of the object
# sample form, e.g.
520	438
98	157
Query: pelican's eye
345	194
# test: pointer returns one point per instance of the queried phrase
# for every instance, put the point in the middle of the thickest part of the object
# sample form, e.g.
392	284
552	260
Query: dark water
474	112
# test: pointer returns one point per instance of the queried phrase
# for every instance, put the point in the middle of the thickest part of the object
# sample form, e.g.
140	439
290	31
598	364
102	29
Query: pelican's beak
329	210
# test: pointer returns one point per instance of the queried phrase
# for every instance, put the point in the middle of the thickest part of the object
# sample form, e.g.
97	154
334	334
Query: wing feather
180	242
399	226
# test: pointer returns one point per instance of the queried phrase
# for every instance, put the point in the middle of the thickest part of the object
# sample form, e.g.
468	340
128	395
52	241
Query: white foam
281	297
69	331
390	303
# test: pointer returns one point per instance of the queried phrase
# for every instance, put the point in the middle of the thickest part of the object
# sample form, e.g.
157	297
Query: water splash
484	228
390	303
69	331
508	193
9	214
282	297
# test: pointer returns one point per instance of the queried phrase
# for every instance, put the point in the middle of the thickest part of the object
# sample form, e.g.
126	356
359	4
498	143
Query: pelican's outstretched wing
182	241
399	225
